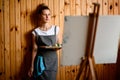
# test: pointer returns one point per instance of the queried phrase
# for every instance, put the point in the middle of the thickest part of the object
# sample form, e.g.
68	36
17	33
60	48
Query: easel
87	63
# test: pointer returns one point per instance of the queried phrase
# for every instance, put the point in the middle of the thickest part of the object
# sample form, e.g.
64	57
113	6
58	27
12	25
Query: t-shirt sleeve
33	32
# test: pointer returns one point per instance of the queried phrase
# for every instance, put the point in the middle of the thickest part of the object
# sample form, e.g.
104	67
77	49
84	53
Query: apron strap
55	30
55	34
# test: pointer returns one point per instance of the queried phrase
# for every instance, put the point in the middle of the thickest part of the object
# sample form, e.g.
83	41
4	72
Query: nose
47	16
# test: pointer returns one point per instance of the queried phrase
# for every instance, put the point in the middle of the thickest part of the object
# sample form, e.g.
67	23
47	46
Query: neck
45	26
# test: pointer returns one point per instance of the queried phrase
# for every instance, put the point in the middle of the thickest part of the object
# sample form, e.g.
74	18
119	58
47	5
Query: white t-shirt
51	31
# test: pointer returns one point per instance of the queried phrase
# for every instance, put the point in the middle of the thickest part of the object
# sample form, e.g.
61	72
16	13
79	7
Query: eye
49	14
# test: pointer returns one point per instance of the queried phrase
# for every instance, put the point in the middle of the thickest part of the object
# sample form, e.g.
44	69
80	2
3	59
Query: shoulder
35	31
55	26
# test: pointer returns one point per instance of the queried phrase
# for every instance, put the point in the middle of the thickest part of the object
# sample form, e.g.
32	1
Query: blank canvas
75	36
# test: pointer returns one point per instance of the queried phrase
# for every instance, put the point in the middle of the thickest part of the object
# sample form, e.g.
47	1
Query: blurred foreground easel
87	66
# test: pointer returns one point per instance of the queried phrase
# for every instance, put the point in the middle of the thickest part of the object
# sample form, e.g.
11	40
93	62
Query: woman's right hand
30	72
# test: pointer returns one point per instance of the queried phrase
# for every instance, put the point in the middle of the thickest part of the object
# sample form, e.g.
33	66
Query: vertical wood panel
45	1
89	6
12	38
2	56
67	7
118	6
7	40
28	37
115	11
110	7
52	9
77	7
56	11
84	7
62	75
23	26
28	15
40	1
23	29
61	12
105	7
18	38
94	1
72	7
56	22
101	7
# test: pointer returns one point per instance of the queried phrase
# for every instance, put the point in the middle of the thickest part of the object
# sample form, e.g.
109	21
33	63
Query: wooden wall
15	37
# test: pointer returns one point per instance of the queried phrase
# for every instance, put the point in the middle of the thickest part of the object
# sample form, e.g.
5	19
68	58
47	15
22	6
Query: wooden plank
28	15
105	7
61	25
99	73
39	1
56	12
12	38
119	7
67	7
33	4
73	71
111	6
45	1
18	38
2	41
62	75
115	11
28	37
56	22
72	7
50	4
7	40
33	8
23	27
89	7
61	12
77	71
84	7
66	73
94	1
112	70
101	7
68	77
78	7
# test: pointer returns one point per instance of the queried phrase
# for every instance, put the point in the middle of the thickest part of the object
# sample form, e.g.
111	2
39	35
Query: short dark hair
42	7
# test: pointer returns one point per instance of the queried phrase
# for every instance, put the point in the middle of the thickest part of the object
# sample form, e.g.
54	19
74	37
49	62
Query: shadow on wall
25	66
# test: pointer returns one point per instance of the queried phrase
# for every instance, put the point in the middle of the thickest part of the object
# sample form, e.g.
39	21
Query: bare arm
59	38
34	52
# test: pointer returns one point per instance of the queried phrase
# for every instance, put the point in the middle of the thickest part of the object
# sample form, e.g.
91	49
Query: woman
44	61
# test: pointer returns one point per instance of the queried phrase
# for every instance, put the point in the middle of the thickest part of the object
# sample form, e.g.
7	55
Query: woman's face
45	16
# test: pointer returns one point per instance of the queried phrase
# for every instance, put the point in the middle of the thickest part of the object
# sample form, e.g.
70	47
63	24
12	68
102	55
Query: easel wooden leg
87	71
88	62
92	69
83	64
